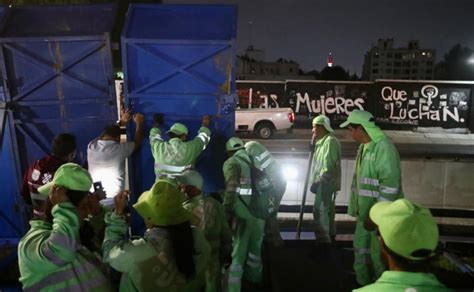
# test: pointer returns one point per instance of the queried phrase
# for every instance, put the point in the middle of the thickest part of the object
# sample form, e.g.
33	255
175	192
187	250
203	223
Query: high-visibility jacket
148	263
377	177
51	258
210	218
264	161
175	156
326	167
238	185
394	281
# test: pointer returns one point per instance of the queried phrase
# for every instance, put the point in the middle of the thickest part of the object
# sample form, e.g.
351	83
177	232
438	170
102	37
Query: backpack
262	201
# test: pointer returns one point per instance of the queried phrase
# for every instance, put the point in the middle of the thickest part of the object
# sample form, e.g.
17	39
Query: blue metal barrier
179	60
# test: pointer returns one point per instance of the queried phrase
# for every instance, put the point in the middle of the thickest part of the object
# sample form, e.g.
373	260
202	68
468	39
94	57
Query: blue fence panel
58	78
179	61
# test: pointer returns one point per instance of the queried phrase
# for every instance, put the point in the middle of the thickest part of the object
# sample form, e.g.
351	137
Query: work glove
314	187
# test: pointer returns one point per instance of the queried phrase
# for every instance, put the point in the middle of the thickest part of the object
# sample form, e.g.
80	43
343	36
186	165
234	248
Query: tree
334	73
457	64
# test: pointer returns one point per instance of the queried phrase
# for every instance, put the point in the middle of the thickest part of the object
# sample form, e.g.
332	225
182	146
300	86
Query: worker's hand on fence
57	195
125	116
138	118
206	120
121	202
314	187
158	120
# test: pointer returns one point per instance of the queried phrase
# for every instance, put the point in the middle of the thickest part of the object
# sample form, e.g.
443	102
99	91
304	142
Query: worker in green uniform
51	256
408	239
264	161
171	256
248	234
325	179
177	155
210	218
377	177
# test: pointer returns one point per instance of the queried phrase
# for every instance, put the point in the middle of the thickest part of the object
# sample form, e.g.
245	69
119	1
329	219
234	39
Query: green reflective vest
148	263
326	167
51	258
210	218
238	185
377	177
175	156
395	281
264	161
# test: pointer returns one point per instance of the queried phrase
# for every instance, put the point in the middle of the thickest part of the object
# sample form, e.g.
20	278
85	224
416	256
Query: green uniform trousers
368	264
324	213
246	253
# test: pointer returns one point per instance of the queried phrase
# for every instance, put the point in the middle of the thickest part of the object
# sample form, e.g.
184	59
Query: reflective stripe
383	199
203	139
244	191
388	190
75	272
262	156
368	193
266	163
236	268
254	257
39	197
172	168
369	181
203	135
156	137
58	240
362	250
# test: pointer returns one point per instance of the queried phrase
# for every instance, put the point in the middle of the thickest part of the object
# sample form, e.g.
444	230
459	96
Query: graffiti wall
407	105
335	100
396	104
261	94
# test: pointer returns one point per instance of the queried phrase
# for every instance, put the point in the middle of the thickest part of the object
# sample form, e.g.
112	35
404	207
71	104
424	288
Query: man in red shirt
42	171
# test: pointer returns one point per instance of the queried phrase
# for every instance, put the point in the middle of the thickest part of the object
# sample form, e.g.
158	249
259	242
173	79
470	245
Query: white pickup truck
264	122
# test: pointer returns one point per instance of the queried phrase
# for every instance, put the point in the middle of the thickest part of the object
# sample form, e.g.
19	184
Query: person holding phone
106	155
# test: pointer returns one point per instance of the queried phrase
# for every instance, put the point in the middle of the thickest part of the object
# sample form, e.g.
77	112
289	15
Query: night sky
307	30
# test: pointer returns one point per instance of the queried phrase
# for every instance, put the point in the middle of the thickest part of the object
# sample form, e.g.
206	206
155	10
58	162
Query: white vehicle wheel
264	131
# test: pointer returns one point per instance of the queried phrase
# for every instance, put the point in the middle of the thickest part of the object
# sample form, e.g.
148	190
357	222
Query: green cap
405	227
70	176
366	120
190	178
359	117
162	204
178	129
324	121
234	143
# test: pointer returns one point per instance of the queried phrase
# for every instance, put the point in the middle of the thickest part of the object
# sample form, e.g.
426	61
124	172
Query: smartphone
98	186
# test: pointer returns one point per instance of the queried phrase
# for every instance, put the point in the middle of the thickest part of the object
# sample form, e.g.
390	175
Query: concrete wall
431	183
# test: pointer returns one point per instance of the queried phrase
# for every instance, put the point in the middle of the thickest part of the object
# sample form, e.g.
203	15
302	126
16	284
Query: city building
384	61
252	66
